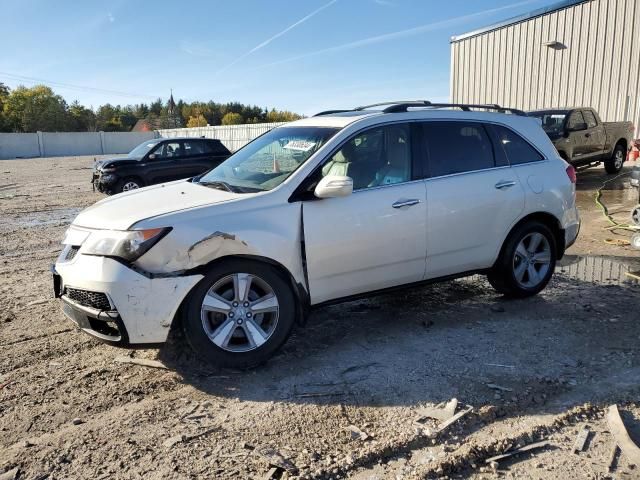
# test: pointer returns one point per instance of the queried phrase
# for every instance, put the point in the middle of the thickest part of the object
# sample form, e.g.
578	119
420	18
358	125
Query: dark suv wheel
239	314
526	262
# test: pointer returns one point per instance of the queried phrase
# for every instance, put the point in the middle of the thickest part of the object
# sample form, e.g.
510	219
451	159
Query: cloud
399	34
385	3
277	35
195	49
110	17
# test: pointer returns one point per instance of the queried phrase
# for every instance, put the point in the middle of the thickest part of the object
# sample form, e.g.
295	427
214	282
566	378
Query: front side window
516	148
142	149
457	147
269	160
375	157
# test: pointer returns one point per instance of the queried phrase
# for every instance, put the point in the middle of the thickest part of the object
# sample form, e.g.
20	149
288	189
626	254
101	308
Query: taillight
571	173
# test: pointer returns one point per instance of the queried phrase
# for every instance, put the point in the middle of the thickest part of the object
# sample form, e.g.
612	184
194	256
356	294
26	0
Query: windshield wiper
219	184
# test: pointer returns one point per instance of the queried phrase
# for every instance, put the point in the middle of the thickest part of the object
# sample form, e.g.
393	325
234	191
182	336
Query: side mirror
152	156
333	186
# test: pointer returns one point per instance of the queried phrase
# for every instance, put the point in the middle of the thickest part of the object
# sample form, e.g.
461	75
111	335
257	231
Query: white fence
233	137
54	144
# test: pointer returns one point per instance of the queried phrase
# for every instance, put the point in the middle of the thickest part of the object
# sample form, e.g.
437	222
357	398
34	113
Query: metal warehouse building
573	53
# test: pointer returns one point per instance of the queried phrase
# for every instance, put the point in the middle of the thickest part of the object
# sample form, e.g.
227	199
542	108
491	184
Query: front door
376	237
473	198
164	162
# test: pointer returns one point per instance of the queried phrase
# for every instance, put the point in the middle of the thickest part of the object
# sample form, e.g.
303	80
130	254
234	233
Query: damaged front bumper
103	182
116	304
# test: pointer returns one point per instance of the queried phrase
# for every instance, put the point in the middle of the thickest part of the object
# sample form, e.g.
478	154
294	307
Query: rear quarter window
516	148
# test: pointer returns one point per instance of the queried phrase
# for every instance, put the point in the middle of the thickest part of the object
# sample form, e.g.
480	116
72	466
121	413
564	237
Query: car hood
123	210
114	161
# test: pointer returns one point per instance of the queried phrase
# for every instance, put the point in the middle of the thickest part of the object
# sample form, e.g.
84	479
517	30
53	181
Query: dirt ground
346	396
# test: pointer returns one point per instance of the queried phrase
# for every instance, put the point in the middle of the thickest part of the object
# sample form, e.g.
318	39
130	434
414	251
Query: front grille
71	252
86	298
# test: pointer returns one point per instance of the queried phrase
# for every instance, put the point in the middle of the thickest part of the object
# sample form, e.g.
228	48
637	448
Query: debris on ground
446	424
527	448
441	412
276	459
622	438
613	455
141	361
10	474
499	387
581	439
356	434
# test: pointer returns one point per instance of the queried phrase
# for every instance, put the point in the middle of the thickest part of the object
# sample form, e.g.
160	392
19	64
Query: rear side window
516	148
193	148
590	118
575	120
457	147
215	147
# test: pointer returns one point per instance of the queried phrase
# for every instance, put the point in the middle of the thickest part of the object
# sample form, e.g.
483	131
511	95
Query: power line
83	88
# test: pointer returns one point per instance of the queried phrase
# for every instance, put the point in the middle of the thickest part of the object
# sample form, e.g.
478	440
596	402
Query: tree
4	93
36	108
231	118
282	116
197	121
82	119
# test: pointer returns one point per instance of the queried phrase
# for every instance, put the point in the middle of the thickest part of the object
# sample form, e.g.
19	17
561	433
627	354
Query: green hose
614	225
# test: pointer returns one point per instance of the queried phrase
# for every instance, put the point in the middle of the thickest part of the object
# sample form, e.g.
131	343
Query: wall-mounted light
555	45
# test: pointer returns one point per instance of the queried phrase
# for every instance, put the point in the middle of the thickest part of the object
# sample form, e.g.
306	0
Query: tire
512	275
127	184
615	163
224	328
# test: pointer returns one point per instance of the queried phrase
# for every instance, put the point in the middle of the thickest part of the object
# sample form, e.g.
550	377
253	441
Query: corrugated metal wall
599	68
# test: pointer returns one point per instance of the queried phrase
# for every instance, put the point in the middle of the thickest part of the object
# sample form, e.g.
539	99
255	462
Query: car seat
397	168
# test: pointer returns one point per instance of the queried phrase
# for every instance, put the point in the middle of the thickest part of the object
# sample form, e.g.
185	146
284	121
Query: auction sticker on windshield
302	145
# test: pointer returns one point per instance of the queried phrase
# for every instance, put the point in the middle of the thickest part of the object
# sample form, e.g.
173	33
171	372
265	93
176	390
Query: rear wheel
239	314
615	163
527	261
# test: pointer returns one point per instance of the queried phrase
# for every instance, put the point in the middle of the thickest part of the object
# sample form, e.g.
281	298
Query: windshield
142	149
552	121
270	159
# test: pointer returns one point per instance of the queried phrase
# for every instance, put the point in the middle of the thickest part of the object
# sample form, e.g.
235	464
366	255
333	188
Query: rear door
196	159
473	197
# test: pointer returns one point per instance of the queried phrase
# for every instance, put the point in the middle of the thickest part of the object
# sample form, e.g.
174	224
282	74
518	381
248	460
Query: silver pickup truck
583	140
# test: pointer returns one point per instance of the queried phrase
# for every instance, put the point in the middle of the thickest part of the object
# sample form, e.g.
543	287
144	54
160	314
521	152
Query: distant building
145	125
572	53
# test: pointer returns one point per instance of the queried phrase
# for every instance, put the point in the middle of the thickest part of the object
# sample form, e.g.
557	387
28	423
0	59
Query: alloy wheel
618	159
239	312
532	260
130	186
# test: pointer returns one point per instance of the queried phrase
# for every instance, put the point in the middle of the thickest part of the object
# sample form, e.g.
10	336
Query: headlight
108	169
128	245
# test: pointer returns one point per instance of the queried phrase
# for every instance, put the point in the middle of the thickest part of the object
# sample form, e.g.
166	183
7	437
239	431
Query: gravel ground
345	397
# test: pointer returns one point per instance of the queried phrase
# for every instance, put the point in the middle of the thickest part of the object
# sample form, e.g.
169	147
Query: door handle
405	203
505	184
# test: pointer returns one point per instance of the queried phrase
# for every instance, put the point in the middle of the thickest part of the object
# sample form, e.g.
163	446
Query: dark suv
156	161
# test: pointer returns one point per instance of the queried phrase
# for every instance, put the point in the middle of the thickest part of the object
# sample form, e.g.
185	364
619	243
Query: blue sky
304	55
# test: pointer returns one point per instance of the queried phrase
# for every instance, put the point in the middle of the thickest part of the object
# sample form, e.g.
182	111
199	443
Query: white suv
324	209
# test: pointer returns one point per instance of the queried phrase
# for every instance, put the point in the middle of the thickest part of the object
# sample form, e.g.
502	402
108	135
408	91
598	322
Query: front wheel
239	314
527	261
127	184
614	164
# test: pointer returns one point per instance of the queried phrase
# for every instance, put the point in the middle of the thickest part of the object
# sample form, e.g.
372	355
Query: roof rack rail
404	105
329	112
